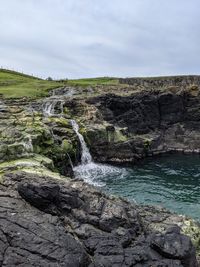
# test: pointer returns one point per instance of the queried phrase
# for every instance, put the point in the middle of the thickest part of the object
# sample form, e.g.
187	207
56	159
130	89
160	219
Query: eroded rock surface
54	222
145	124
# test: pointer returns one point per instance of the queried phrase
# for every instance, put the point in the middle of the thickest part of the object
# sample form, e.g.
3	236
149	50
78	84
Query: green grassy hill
94	81
15	85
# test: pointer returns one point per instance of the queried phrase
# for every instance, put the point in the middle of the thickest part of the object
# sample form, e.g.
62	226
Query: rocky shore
49	219
62	222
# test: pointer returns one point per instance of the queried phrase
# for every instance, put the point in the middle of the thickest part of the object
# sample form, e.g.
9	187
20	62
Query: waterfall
88	170
85	155
48	108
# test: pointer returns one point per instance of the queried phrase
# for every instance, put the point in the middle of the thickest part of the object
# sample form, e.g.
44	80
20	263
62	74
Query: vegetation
15	85
94	81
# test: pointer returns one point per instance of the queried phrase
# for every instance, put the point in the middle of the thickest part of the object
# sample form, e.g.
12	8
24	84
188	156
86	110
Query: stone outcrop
163	82
25	131
145	124
49	220
56	222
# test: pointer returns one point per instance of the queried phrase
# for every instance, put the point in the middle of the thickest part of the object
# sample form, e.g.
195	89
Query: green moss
37	164
192	229
119	137
66	146
60	121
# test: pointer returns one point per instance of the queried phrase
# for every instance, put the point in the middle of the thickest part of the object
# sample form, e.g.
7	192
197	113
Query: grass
93	81
16	85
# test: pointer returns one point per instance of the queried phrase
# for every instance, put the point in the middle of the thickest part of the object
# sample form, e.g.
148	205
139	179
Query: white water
90	171
86	158
49	107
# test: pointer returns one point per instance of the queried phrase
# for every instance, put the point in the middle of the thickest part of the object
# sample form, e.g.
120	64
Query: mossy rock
192	229
66	146
15	149
60	121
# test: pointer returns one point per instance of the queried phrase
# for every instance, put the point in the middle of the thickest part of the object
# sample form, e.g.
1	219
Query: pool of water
169	181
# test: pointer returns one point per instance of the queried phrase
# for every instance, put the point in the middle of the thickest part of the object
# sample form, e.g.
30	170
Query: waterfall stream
166	181
88	170
49	107
86	158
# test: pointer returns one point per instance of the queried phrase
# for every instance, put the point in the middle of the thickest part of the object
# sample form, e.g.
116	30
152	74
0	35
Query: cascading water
167	181
48	108
88	170
85	155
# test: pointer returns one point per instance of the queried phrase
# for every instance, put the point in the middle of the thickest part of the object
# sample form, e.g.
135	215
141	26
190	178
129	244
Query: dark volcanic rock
163	82
151	123
48	222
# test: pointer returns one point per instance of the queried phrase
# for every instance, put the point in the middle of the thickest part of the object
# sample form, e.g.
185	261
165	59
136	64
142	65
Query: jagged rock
150	123
48	222
191	82
54	222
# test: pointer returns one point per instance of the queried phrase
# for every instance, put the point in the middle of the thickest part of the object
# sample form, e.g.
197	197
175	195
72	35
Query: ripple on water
172	182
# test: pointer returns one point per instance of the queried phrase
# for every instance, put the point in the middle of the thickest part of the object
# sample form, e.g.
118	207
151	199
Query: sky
92	38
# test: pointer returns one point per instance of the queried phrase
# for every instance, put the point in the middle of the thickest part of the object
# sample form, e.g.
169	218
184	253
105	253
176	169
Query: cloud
88	38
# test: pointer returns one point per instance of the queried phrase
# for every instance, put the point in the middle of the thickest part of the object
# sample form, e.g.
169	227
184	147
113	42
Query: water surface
171	181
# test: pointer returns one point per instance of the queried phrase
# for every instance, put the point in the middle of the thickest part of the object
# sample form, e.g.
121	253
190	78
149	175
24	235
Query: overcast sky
89	38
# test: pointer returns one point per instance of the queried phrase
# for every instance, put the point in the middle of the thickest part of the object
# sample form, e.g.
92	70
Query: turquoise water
171	181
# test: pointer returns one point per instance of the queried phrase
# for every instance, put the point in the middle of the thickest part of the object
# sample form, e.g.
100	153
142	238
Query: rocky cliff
163	82
145	124
49	220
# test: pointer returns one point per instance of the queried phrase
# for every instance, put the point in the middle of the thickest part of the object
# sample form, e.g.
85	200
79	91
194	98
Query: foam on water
88	170
172	182
94	173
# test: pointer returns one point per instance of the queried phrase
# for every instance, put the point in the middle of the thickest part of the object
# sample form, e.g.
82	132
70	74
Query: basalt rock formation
145	124
163	82
49	220
57	222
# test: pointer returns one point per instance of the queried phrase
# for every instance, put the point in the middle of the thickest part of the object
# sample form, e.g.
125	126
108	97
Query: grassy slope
14	85
94	81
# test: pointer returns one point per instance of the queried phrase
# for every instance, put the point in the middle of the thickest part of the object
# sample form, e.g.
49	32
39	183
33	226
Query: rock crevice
69	223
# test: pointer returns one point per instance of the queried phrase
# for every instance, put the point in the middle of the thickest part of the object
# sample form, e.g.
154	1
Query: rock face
25	130
52	222
48	220
162	82
145	124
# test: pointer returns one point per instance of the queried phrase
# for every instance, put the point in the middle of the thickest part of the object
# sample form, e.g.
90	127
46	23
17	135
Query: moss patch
192	229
